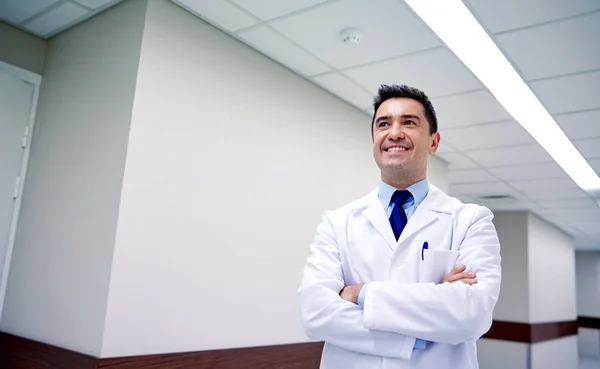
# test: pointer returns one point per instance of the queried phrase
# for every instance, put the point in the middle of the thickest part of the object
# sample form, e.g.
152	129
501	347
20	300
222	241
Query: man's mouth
396	148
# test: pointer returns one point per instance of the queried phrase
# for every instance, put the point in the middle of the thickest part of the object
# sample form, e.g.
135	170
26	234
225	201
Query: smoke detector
351	36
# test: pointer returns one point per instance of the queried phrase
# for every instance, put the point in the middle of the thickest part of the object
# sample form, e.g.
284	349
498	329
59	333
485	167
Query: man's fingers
459	276
458	269
470	282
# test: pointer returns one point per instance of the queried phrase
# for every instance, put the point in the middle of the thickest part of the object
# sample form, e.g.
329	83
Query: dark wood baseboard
22	353
588	322
531	333
297	356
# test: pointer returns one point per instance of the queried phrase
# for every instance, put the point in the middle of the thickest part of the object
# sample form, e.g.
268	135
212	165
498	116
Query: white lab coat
406	299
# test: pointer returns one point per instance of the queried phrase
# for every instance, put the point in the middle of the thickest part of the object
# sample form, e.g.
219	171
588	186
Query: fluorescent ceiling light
459	30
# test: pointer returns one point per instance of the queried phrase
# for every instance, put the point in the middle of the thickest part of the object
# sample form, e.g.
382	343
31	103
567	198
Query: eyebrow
403	116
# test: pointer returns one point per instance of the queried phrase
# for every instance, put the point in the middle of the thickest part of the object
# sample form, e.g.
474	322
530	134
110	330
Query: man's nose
396	132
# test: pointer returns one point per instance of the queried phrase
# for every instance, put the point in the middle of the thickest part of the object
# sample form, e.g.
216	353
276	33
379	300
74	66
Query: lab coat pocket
435	264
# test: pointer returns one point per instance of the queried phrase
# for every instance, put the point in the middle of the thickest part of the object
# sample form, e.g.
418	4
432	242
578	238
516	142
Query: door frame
35	80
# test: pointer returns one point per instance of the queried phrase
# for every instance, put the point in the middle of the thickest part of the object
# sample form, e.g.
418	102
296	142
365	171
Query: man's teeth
396	149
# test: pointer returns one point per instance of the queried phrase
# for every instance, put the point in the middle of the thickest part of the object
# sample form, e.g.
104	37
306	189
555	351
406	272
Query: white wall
232	160
497	354
588	300
58	282
538	285
560	353
551	260
512	231
588	283
22	49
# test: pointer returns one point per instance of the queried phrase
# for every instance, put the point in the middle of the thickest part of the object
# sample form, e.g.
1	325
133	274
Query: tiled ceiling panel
580	125
458	160
47	18
554	184
93	4
388	29
506	156
505	15
269	9
469	109
18	11
483	188
570	93
470	176
589	148
277	47
220	13
58	17
501	134
424	69
546	171
346	89
570	51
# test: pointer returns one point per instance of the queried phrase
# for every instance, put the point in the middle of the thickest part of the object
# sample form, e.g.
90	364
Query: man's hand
458	275
350	293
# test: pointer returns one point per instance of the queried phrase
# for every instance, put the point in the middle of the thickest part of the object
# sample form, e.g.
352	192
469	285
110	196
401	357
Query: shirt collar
418	191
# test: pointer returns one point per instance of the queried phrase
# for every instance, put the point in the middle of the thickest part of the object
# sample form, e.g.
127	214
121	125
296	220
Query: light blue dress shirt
418	191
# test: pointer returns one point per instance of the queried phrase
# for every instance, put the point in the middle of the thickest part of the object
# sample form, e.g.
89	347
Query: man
406	277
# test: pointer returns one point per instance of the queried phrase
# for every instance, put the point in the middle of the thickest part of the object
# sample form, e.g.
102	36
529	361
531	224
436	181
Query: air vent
497	197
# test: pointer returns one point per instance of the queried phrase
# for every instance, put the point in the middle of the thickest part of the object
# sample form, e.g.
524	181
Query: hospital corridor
306	184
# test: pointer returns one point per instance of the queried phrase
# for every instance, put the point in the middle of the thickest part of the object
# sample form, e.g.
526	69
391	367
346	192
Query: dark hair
399	91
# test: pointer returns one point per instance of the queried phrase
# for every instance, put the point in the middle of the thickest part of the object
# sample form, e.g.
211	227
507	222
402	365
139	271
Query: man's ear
435	143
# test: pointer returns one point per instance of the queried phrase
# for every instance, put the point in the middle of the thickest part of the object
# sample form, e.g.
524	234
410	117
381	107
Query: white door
16	104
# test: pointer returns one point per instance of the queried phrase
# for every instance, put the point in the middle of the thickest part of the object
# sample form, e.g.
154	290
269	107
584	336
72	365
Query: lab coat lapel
427	213
377	217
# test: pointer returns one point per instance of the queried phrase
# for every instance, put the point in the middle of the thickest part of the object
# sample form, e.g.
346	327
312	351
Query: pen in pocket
425	246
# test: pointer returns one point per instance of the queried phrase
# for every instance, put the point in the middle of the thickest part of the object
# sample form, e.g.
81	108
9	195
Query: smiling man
407	276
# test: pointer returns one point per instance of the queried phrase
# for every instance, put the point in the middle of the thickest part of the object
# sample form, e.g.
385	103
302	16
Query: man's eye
409	122
383	124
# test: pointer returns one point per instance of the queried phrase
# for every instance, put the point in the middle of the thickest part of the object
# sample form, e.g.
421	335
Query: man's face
401	140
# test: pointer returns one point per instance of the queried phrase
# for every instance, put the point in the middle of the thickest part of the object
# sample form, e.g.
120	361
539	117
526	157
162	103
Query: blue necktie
398	218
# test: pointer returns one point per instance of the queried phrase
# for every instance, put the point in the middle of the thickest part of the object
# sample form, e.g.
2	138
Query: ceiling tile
17	11
457	160
590	149
470	176
381	22
580	125
437	72
475	190
514	155
568	204
277	47
500	16
595	163
491	135
568	52
220	13
95	4
508	205
545	184
344	88
544	193
533	171
56	19
468	109
269	9
569	94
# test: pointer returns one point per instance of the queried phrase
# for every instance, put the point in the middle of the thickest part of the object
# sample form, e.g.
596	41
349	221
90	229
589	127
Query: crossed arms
393	315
